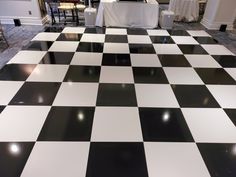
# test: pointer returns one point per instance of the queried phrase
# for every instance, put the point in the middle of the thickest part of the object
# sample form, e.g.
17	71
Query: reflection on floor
119	102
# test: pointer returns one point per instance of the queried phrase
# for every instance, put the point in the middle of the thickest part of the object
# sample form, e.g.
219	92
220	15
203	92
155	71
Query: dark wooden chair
63	6
53	4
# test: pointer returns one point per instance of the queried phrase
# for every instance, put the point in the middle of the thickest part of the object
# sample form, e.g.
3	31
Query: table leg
76	15
73	14
59	15
52	14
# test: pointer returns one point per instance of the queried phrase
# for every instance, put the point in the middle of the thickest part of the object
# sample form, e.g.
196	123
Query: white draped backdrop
185	10
128	14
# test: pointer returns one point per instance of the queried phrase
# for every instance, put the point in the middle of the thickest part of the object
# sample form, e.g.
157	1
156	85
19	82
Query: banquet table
128	14
185	10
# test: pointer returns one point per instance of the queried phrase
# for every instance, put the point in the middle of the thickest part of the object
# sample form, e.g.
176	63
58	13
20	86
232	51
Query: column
219	12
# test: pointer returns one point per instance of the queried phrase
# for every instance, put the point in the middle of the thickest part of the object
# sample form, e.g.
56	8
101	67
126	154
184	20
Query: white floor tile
184	40
64	46
58	159
202	61
76	94
28	57
158	33
139	39
116	31
180	75
8	91
48	73
217	50
167	49
198	33
116	124
110	74
78	30
210	125
155	95
93	38
45	36
174	160
22	123
87	58
232	72
225	95
116	48
145	60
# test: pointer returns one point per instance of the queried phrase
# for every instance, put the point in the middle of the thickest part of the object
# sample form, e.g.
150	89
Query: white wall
219	12
11	9
226	11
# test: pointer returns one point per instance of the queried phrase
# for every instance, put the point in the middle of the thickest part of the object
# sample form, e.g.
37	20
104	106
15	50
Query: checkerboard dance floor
119	103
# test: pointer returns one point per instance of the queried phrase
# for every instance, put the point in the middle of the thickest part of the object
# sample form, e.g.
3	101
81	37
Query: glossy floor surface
119	103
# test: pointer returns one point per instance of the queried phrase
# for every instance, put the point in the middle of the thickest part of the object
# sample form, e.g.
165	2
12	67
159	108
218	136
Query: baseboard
24	20
216	25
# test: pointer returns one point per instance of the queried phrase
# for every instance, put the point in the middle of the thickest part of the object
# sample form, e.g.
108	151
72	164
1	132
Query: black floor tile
206	40
219	159
149	75
116	38
57	58
192	49
83	74
1	108
13	157
116	160
178	33
215	76
16	72
116	60
226	61
36	93
95	30
116	95
231	114
90	47
136	31
194	96
173	61
142	48
162	40
53	29
164	124
38	45
72	124
69	37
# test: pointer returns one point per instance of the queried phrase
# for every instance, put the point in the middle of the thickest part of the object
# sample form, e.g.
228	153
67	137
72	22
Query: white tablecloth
185	10
128	14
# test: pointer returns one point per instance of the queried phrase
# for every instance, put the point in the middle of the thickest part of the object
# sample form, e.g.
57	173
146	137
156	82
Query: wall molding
24	20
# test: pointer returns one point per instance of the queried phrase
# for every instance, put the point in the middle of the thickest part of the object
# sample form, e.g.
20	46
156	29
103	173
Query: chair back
66	4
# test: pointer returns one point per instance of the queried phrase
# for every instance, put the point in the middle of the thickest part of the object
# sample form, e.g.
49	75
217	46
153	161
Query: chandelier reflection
14	148
166	116
80	116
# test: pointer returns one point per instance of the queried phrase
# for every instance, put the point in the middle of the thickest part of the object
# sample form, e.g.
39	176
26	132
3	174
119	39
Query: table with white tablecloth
128	14
185	10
